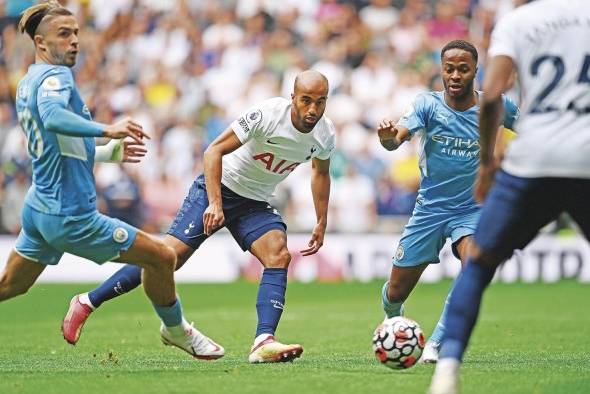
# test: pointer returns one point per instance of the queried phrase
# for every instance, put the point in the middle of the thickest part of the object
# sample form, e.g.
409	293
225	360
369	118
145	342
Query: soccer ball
398	342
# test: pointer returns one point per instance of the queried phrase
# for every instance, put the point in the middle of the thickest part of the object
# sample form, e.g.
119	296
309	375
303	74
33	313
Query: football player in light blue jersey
447	124
60	213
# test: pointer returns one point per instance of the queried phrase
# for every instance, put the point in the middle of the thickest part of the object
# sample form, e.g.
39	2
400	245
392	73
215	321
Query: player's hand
316	241
126	128
386	130
213	218
132	152
484	181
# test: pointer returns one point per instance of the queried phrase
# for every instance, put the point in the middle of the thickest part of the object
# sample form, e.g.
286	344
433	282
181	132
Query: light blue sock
439	330
391	309
171	315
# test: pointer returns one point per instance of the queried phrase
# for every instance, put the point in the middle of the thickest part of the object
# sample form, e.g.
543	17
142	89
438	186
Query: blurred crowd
186	68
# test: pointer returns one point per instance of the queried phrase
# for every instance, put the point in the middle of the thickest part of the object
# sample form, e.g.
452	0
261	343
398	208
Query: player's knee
280	259
164	258
168	256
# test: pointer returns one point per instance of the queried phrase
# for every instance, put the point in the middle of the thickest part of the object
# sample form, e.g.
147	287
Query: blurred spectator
123	200
353	202
13	199
380	16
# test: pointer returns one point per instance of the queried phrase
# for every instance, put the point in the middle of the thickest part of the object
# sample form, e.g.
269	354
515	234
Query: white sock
260	338
83	298
179	330
447	366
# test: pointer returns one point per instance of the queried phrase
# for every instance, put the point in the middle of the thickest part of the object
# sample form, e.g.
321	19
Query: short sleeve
55	90
250	123
326	153
504	38
414	118
511	112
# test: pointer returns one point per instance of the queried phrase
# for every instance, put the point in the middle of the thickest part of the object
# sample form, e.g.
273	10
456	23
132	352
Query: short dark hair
460	44
32	16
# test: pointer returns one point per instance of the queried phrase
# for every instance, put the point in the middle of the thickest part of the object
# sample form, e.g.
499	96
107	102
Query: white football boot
446	377
430	353
271	351
194	343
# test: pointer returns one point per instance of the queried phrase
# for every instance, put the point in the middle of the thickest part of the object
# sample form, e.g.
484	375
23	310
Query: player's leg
129	277
578	207
460	230
28	259
396	290
121	282
271	250
184	237
18	276
259	228
419	245
158	262
512	215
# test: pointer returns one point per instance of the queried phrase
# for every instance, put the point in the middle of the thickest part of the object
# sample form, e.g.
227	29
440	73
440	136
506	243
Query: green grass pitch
532	338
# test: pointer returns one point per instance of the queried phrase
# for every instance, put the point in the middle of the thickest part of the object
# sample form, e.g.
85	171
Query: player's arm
62	121
496	81
58	119
226	143
53	99
392	136
320	190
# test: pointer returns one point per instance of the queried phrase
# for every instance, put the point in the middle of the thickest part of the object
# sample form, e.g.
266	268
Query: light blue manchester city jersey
449	150
63	181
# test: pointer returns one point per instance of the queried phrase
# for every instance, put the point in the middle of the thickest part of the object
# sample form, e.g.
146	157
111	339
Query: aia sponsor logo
279	166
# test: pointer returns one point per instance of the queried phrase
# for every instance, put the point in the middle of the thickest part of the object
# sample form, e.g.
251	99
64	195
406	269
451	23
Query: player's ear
293	96
40	42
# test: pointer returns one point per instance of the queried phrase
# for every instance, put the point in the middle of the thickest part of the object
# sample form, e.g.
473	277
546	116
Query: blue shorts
517	208
45	238
426	234
246	219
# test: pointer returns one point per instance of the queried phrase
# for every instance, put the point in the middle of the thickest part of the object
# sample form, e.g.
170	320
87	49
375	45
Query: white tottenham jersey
549	43
272	148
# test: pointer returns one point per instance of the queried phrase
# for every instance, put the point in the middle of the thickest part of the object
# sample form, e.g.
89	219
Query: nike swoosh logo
217	348
271	142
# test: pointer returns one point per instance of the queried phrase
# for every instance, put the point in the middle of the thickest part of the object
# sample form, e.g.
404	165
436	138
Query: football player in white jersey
546	170
242	167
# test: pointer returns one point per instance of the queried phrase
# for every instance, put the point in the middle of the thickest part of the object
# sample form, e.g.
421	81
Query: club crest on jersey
51	83
254	117
280	167
120	235
399	253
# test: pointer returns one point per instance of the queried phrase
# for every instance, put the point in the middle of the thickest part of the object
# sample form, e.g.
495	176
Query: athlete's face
458	72
309	103
57	39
